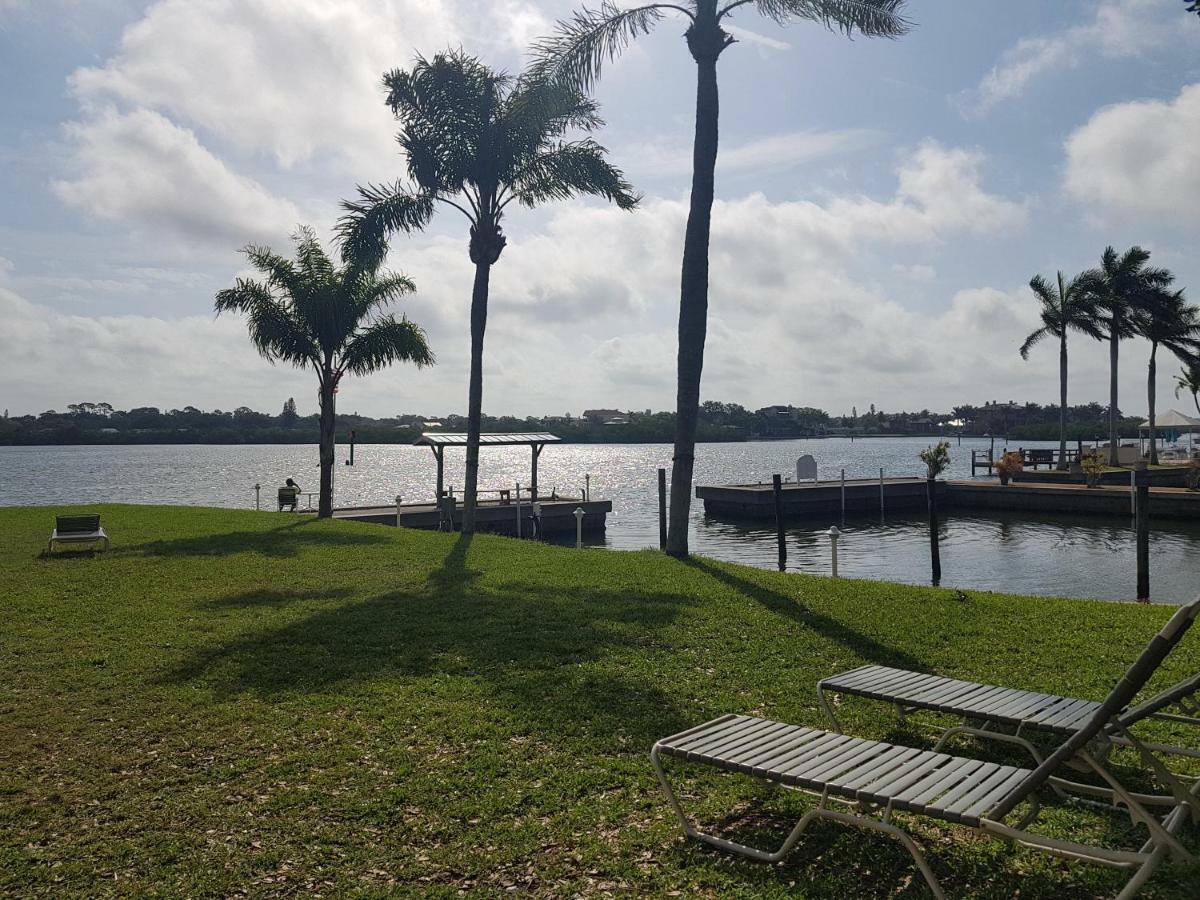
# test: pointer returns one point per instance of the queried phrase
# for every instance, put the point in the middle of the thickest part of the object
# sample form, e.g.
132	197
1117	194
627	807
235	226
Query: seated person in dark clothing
289	495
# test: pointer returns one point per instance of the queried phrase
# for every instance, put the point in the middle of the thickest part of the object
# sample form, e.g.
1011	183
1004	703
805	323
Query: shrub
1093	467
1011	463
936	459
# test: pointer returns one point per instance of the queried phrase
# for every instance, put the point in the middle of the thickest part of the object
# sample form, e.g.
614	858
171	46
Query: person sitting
289	495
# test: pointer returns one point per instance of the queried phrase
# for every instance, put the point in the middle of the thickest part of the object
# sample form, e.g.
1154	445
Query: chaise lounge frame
877	779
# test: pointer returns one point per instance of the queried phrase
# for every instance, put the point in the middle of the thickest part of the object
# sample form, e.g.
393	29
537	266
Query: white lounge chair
886	778
77	531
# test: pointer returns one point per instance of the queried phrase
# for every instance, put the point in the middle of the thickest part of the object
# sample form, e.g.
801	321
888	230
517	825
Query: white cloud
1138	160
294	85
1119	29
140	168
773	153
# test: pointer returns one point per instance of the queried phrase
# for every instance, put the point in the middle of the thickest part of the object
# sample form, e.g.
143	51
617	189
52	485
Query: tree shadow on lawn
529	644
866	647
285	541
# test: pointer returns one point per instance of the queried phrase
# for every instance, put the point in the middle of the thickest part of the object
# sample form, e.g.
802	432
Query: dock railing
1033	458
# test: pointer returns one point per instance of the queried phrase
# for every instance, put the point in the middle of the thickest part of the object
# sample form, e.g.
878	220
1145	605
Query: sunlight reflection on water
1034	554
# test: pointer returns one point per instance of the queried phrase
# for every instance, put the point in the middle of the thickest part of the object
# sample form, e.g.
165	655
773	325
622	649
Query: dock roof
444	439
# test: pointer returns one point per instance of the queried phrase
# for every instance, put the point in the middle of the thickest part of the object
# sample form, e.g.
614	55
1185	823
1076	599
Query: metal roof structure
442	439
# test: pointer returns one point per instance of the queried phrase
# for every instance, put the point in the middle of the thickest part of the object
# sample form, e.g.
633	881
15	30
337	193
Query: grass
237	703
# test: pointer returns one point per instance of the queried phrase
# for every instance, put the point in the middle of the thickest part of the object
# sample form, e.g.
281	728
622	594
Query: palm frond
382	210
870	18
377	291
384	342
243	296
576	52
569	170
1034	339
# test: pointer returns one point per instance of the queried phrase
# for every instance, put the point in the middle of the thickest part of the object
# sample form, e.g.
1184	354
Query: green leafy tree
1065	307
936	459
1167	320
313	314
1122	284
288	417
1188	380
478	141
575	54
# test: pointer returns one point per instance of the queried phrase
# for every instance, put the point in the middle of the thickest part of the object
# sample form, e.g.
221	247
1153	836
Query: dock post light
579	514
834	534
258	496
399	500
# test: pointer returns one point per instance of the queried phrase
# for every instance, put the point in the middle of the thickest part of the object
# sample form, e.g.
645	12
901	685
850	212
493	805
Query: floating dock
824	498
491	516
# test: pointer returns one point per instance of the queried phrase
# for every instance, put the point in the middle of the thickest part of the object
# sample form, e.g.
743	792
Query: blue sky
881	205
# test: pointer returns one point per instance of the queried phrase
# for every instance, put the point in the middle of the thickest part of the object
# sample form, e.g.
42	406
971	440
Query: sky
881	205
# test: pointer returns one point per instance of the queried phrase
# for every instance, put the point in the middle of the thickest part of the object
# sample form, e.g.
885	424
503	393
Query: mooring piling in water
1142	526
662	509
777	488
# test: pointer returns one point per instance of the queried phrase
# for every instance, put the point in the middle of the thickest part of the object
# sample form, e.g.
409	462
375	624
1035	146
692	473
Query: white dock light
579	514
834	534
258	496
399	500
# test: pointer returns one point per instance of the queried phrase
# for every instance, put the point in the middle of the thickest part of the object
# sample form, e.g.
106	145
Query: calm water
1043	554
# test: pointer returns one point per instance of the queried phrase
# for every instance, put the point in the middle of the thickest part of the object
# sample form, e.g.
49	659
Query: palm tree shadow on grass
865	646
284	541
532	648
258	598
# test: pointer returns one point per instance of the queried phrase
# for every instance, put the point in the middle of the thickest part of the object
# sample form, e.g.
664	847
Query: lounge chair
288	497
873	775
991	707
78	531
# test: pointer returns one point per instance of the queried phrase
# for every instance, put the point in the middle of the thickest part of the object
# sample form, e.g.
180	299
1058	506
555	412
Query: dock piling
662	509
935	554
258	496
518	495
1142	525
777	487
843	496
881	493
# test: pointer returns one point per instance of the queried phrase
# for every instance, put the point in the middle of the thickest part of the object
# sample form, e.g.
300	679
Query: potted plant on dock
1010	464
1093	468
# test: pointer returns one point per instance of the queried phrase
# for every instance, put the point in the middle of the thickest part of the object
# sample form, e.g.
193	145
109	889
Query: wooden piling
662	509
777	486
1142	525
935	554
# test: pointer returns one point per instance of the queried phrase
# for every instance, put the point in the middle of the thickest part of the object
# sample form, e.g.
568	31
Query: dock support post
1142	523
399	500
518	509
777	489
587	486
881	493
258	496
1133	497
662	509
935	555
843	496
353	435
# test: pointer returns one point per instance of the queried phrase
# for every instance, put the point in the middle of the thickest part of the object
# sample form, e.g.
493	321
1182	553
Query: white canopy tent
1174	425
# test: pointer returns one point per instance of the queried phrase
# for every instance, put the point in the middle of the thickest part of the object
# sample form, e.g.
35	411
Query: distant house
601	416
617	420
777	412
431	424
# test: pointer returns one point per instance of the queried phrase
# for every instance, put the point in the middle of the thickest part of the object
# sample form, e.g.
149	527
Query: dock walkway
494	516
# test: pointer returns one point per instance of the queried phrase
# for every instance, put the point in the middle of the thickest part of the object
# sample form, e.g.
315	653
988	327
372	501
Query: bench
288	497
69	530
1037	458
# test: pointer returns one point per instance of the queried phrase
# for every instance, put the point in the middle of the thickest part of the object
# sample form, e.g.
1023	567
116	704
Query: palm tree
1122	284
1167	320
311	313
576	52
1070	307
1188	380
478	141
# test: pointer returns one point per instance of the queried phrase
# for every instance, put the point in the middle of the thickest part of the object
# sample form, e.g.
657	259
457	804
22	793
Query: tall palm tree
576	52
1069	307
313	314
1123	282
1167	320
478	141
1188	380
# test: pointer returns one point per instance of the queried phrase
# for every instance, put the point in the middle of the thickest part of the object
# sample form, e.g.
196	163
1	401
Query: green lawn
239	703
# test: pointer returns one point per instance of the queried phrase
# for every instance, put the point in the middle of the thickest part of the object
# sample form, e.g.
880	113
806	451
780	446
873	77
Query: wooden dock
824	498
492	516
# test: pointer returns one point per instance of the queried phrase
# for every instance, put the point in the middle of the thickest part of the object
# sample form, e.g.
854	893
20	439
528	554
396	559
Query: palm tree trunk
1150	386
1113	440
706	40
479	302
325	503
1062	401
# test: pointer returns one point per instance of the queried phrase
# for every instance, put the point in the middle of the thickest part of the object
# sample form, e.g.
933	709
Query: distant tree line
100	423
